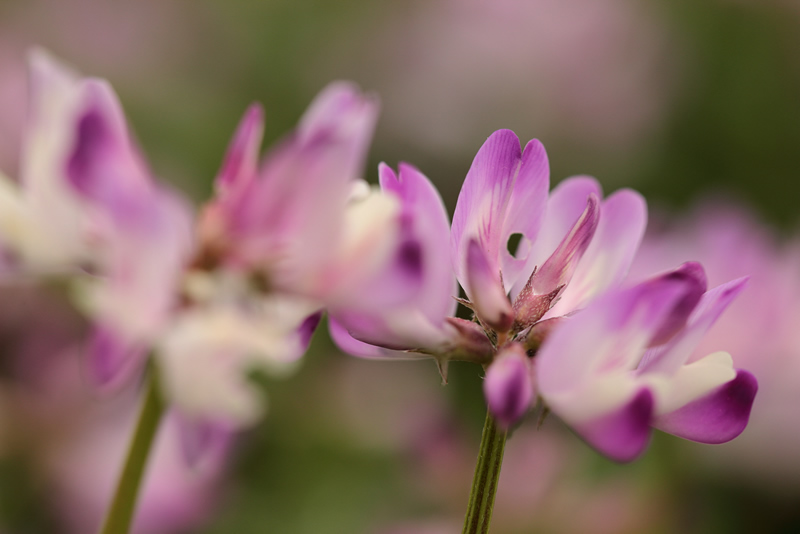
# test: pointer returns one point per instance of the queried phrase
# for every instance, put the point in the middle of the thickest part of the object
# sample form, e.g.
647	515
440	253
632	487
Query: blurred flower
572	247
275	246
175	497
87	203
301	218
74	441
627	362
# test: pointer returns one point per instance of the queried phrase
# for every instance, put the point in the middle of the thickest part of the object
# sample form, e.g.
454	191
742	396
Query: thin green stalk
123	505
487	473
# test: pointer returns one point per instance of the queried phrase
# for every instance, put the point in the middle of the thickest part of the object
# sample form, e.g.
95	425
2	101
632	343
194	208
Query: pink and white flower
281	240
628	363
573	246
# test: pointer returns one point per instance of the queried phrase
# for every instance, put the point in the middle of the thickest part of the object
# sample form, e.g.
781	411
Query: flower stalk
487	474
120	512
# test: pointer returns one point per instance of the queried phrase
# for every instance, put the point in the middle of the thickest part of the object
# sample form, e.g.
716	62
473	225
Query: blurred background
695	103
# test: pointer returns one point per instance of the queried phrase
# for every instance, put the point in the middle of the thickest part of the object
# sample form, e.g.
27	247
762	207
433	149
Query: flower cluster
296	232
553	317
244	287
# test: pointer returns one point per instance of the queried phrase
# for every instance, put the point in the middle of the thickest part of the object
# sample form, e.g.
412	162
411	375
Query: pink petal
613	332
623	434
525	212
347	343
406	303
566	204
623	217
508	385
481	208
559	267
425	222
241	160
202	440
693	275
138	296
103	165
717	417
669	358
485	289
291	217
112	359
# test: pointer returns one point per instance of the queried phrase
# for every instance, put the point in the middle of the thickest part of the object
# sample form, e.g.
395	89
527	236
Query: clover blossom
573	246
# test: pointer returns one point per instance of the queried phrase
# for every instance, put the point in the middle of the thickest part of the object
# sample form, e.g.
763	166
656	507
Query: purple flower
86	202
759	329
627	363
88	209
572	246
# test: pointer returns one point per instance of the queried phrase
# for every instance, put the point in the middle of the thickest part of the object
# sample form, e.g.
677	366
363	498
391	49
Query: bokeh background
695	103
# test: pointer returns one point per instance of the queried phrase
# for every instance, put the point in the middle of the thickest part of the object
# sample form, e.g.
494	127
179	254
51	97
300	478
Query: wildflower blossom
572	246
627	363
278	243
759	329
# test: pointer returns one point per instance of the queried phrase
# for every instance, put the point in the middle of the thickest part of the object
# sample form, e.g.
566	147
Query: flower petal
559	267
347	343
566	203
403	302
103	165
623	217
612	333
56	100
485	289
717	417
623	434
112	358
482	203
206	354
136	296
291	218
525	212
241	160
670	357
424	221
202	439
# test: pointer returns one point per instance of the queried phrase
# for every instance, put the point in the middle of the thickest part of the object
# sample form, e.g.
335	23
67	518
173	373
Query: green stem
123	505
487	473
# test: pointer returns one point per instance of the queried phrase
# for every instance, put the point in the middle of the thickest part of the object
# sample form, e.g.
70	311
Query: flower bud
508	385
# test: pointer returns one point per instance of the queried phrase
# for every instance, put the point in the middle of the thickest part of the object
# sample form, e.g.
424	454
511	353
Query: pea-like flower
628	363
570	247
87	208
282	239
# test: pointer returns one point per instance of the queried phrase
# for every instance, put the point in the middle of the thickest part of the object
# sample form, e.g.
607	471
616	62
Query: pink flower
281	240
759	329
175	496
627	363
87	204
573	245
302	217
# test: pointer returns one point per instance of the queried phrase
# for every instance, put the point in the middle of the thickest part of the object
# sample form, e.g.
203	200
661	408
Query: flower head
572	246
627	363
281	240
